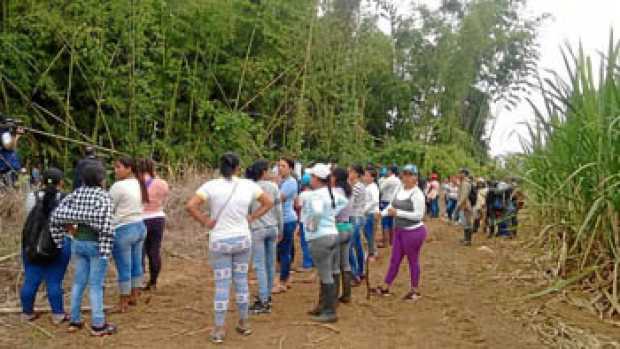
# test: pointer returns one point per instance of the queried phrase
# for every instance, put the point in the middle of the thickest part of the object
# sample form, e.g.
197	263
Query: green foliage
573	165
183	81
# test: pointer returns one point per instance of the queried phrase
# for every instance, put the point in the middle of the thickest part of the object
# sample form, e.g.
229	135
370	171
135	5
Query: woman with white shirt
129	194
407	208
371	208
230	199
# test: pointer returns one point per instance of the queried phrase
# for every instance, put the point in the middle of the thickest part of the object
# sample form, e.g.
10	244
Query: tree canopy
183	81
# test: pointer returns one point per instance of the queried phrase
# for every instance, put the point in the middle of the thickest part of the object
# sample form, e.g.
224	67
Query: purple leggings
407	242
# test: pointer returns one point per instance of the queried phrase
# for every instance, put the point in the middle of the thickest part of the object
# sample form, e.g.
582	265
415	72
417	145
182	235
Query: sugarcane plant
573	173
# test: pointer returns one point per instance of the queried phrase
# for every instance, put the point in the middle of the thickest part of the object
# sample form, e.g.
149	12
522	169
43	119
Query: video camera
11	125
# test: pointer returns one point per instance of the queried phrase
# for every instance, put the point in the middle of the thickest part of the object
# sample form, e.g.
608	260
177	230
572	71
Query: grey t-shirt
273	218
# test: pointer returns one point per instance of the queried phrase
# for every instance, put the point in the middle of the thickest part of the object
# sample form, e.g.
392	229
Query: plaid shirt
90	206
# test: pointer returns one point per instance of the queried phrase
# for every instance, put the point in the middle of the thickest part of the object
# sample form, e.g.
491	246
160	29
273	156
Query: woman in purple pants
407	208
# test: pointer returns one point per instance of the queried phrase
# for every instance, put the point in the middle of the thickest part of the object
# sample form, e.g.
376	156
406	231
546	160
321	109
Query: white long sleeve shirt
419	206
372	199
389	187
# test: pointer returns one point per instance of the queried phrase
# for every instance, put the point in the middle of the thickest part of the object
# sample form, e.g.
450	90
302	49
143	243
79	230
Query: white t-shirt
126	202
232	221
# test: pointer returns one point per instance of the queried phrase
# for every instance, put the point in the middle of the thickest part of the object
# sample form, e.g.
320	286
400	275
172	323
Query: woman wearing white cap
407	208
319	209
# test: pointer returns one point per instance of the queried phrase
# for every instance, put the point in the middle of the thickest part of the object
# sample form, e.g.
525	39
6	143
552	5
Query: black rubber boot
316	311
466	238
337	283
347	278
328	313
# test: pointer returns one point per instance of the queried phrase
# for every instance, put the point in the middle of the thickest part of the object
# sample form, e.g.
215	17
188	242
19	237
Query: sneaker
58	319
105	330
260	308
29	317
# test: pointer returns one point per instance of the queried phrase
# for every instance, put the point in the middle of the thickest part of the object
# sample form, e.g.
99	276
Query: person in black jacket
89	158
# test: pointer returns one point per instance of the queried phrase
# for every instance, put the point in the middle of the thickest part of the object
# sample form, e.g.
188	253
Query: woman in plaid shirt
89	207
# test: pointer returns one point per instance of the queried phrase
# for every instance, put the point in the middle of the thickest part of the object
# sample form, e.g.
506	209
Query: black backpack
37	241
473	195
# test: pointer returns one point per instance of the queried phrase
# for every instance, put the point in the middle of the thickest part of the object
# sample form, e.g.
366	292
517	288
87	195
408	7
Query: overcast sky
573	20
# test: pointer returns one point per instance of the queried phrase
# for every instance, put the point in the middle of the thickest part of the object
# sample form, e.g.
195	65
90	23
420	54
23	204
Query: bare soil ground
472	298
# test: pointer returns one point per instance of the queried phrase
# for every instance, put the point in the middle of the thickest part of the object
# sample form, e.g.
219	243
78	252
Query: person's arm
277	207
266	203
104	226
369	200
193	208
31	200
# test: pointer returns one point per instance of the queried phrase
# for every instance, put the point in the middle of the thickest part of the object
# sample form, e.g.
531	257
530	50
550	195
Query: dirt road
471	299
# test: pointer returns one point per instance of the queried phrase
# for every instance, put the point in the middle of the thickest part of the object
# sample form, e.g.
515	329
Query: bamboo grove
183	81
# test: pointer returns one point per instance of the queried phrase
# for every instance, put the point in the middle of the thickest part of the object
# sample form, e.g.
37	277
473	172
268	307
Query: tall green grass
573	170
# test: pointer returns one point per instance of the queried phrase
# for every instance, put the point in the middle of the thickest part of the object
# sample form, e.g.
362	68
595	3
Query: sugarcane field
309	174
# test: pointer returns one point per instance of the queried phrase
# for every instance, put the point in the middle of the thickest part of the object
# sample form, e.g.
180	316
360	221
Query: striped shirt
358	199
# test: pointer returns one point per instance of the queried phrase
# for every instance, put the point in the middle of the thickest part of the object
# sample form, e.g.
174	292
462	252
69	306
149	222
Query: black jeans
152	245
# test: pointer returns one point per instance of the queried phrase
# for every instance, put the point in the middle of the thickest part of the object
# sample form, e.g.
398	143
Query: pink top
158	193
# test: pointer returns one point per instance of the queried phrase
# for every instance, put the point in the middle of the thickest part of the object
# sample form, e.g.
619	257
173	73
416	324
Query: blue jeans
305	250
127	252
90	269
387	223
369	233
285	250
230	259
451	208
53	273
435	208
356	252
264	259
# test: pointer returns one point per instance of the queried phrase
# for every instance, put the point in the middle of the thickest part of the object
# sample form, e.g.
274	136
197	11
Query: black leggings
152	245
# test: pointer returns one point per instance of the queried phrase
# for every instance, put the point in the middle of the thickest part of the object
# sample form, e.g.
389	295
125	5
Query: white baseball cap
319	170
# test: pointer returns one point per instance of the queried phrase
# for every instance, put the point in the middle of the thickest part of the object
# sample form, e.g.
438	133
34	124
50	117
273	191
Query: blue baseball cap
305	179
410	168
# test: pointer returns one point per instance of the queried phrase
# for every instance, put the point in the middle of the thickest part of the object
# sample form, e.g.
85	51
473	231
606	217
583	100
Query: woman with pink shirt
154	219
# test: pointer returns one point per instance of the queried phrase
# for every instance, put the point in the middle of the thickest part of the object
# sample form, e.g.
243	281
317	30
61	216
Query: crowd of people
252	222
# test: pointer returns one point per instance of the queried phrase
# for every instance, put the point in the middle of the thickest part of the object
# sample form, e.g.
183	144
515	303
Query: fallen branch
8	256
41	329
326	326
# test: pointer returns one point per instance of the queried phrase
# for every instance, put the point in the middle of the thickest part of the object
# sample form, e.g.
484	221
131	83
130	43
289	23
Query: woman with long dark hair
358	218
319	209
154	219
53	271
341	186
264	237
230	199
129	194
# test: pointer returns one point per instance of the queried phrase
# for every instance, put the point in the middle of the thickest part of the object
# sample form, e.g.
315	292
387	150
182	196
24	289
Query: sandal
380	291
216	338
105	330
74	327
244	331
278	289
412	296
